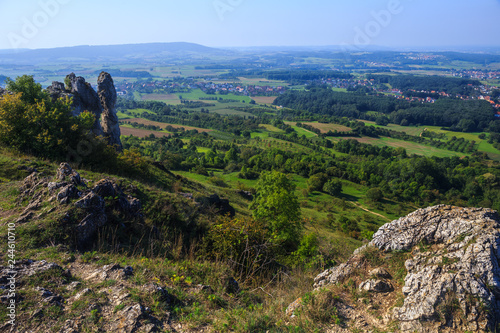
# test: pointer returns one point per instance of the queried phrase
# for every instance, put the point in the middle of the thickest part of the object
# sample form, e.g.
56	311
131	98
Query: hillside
100	252
115	53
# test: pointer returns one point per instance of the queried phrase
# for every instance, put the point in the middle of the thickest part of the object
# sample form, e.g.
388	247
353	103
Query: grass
134	113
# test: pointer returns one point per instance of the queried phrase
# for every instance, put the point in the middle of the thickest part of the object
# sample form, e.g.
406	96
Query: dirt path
369	211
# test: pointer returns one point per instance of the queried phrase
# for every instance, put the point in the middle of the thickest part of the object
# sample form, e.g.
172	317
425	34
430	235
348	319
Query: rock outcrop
92	203
109	119
85	98
452	278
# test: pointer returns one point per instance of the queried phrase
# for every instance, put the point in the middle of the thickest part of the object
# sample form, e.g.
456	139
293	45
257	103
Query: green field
136	113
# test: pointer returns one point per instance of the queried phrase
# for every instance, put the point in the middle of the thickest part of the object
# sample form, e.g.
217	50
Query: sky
239	23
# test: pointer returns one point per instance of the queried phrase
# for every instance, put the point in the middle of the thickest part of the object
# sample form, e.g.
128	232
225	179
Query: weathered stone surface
338	273
455	258
113	271
96	218
67	193
376	286
85	98
65	170
127	319
109	119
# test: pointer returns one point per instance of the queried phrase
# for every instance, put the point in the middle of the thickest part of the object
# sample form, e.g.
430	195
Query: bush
374	194
333	187
277	205
244	243
32	123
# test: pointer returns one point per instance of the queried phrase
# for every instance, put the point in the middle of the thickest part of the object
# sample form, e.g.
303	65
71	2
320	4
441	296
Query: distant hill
125	52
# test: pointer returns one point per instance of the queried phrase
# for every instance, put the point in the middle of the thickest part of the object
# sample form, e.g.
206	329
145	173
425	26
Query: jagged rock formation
85	98
68	186
453	275
109	119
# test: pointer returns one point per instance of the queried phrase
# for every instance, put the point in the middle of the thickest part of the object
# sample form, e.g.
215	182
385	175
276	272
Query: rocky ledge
452	282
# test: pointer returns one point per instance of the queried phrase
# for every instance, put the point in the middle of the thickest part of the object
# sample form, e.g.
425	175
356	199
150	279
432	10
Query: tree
316	182
31	122
277	205
333	187
31	92
374	194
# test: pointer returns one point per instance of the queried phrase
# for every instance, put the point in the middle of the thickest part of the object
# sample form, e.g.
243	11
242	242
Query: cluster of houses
206	85
478	74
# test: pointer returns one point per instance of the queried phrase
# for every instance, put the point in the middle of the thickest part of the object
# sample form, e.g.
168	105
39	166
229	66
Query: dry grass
141	133
324	128
264	99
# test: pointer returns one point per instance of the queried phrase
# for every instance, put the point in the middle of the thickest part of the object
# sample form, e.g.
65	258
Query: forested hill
466	116
448	85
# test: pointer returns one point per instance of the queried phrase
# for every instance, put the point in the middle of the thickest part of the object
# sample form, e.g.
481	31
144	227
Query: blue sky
392	23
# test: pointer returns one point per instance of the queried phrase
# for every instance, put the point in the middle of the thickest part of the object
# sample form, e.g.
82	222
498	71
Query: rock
377	286
107	188
67	193
221	206
92	202
339	273
293	306
113	272
85	99
200	287
380	273
95	218
160	292
82	293
52	186
459	265
109	119
127	319
65	170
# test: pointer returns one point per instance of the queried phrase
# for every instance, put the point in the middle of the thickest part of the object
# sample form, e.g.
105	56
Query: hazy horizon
394	24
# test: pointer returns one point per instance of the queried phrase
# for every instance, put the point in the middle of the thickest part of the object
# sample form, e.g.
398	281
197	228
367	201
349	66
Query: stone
85	98
459	263
377	286
65	170
297	304
67	193
127	319
109	119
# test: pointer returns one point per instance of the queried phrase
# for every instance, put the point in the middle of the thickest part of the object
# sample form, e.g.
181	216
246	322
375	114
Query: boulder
65	171
220	206
454	259
109	119
377	286
101	104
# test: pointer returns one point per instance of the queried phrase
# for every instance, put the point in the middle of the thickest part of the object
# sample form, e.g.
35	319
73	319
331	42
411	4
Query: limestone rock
127	319
377	286
101	104
65	170
67	193
109	119
455	255
96	218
